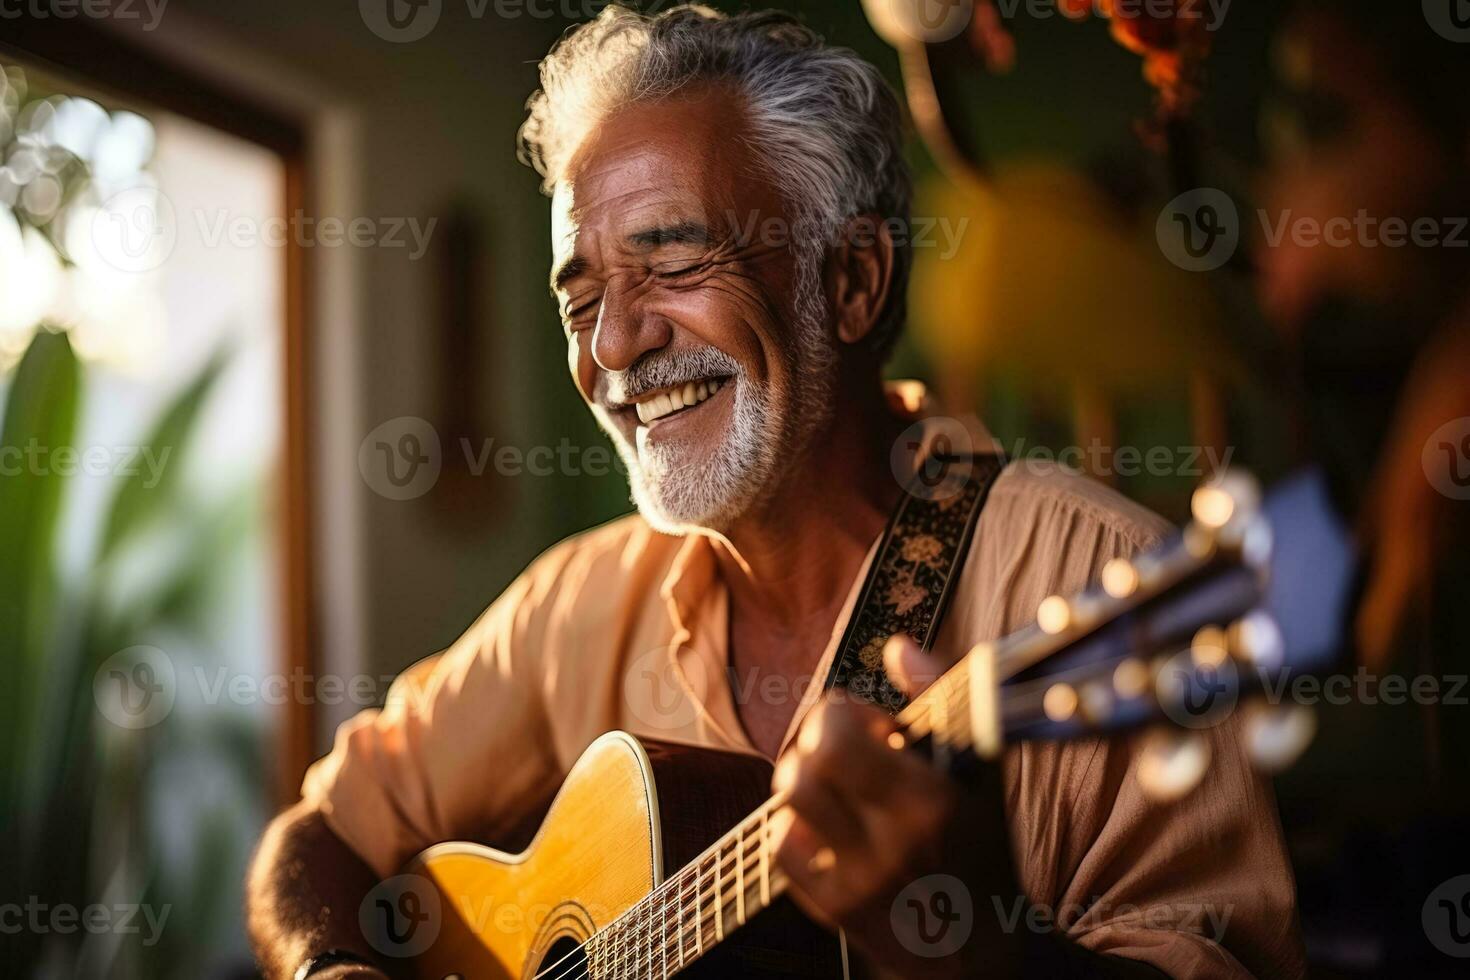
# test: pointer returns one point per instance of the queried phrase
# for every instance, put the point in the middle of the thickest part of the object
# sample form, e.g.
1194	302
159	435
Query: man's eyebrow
567	271
680	233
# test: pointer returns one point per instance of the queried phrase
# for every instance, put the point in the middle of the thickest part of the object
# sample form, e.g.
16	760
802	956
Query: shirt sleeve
461	744
1201	887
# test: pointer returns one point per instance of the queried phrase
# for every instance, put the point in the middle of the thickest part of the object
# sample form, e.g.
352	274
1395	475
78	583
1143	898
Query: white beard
679	489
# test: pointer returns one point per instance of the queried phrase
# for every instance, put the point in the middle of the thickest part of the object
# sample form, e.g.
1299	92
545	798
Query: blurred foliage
78	805
84	804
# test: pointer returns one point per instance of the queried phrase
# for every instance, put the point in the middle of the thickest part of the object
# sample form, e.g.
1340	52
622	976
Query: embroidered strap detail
909	585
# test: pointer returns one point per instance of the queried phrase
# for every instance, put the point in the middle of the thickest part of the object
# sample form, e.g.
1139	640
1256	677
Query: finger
849	746
909	667
823	805
811	866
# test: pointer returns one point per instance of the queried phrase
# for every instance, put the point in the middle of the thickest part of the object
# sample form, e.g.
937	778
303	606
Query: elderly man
729	287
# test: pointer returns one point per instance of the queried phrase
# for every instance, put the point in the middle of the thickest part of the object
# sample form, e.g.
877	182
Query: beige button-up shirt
622	627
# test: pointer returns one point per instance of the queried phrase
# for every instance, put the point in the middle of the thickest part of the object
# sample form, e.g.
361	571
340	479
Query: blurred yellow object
1052	283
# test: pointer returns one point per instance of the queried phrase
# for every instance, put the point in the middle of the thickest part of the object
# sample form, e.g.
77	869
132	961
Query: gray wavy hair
825	122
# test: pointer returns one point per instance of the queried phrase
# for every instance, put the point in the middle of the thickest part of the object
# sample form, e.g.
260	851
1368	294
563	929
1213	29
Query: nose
625	329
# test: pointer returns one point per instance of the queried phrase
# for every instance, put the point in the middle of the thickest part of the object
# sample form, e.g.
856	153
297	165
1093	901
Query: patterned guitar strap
919	559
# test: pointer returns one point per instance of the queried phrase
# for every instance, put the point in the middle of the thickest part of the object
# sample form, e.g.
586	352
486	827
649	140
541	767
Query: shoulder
1047	498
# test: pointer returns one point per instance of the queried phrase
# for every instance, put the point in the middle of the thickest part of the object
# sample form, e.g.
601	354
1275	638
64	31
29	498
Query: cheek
734	319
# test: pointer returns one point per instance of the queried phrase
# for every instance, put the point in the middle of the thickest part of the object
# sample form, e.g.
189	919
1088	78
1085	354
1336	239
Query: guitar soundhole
565	960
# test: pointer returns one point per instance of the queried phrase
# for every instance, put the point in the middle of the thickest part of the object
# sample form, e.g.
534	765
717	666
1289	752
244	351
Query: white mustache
662	369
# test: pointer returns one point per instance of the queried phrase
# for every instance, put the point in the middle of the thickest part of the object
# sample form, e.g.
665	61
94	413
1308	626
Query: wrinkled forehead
685	159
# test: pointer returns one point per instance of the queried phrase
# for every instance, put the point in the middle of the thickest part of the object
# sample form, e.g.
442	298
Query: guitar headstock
1177	639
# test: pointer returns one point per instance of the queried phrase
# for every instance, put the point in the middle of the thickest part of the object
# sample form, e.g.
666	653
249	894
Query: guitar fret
765	848
699	910
740	875
680	927
663	932
719	899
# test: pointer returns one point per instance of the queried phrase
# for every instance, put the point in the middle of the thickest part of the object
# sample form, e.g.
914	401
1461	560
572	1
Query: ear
859	276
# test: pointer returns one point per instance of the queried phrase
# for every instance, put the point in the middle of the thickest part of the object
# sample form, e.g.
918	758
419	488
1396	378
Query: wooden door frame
110	62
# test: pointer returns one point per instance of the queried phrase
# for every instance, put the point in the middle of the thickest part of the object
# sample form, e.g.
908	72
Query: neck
794	558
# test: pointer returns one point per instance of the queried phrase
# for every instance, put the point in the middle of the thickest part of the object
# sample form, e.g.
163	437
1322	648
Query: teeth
672	401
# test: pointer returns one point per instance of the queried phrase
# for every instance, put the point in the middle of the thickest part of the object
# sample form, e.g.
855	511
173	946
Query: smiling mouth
675	400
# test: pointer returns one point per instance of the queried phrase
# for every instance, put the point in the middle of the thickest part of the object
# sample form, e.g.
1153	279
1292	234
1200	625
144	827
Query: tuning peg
902	23
1224	509
1172	763
1257	543
1256	638
1054	614
1227	497
1276	735
1119	578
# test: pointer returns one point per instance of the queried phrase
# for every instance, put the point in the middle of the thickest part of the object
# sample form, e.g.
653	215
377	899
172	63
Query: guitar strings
946	719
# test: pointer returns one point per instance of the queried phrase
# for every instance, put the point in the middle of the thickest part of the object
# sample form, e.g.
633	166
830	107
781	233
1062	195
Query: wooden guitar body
628	811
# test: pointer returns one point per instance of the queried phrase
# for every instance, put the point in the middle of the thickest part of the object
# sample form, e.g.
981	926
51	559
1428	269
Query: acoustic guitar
629	875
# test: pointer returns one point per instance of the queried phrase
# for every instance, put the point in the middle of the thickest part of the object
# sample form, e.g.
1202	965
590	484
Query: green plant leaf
40	415
137	502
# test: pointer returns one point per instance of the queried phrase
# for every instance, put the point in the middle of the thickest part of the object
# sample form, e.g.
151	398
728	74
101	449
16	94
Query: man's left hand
886	846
